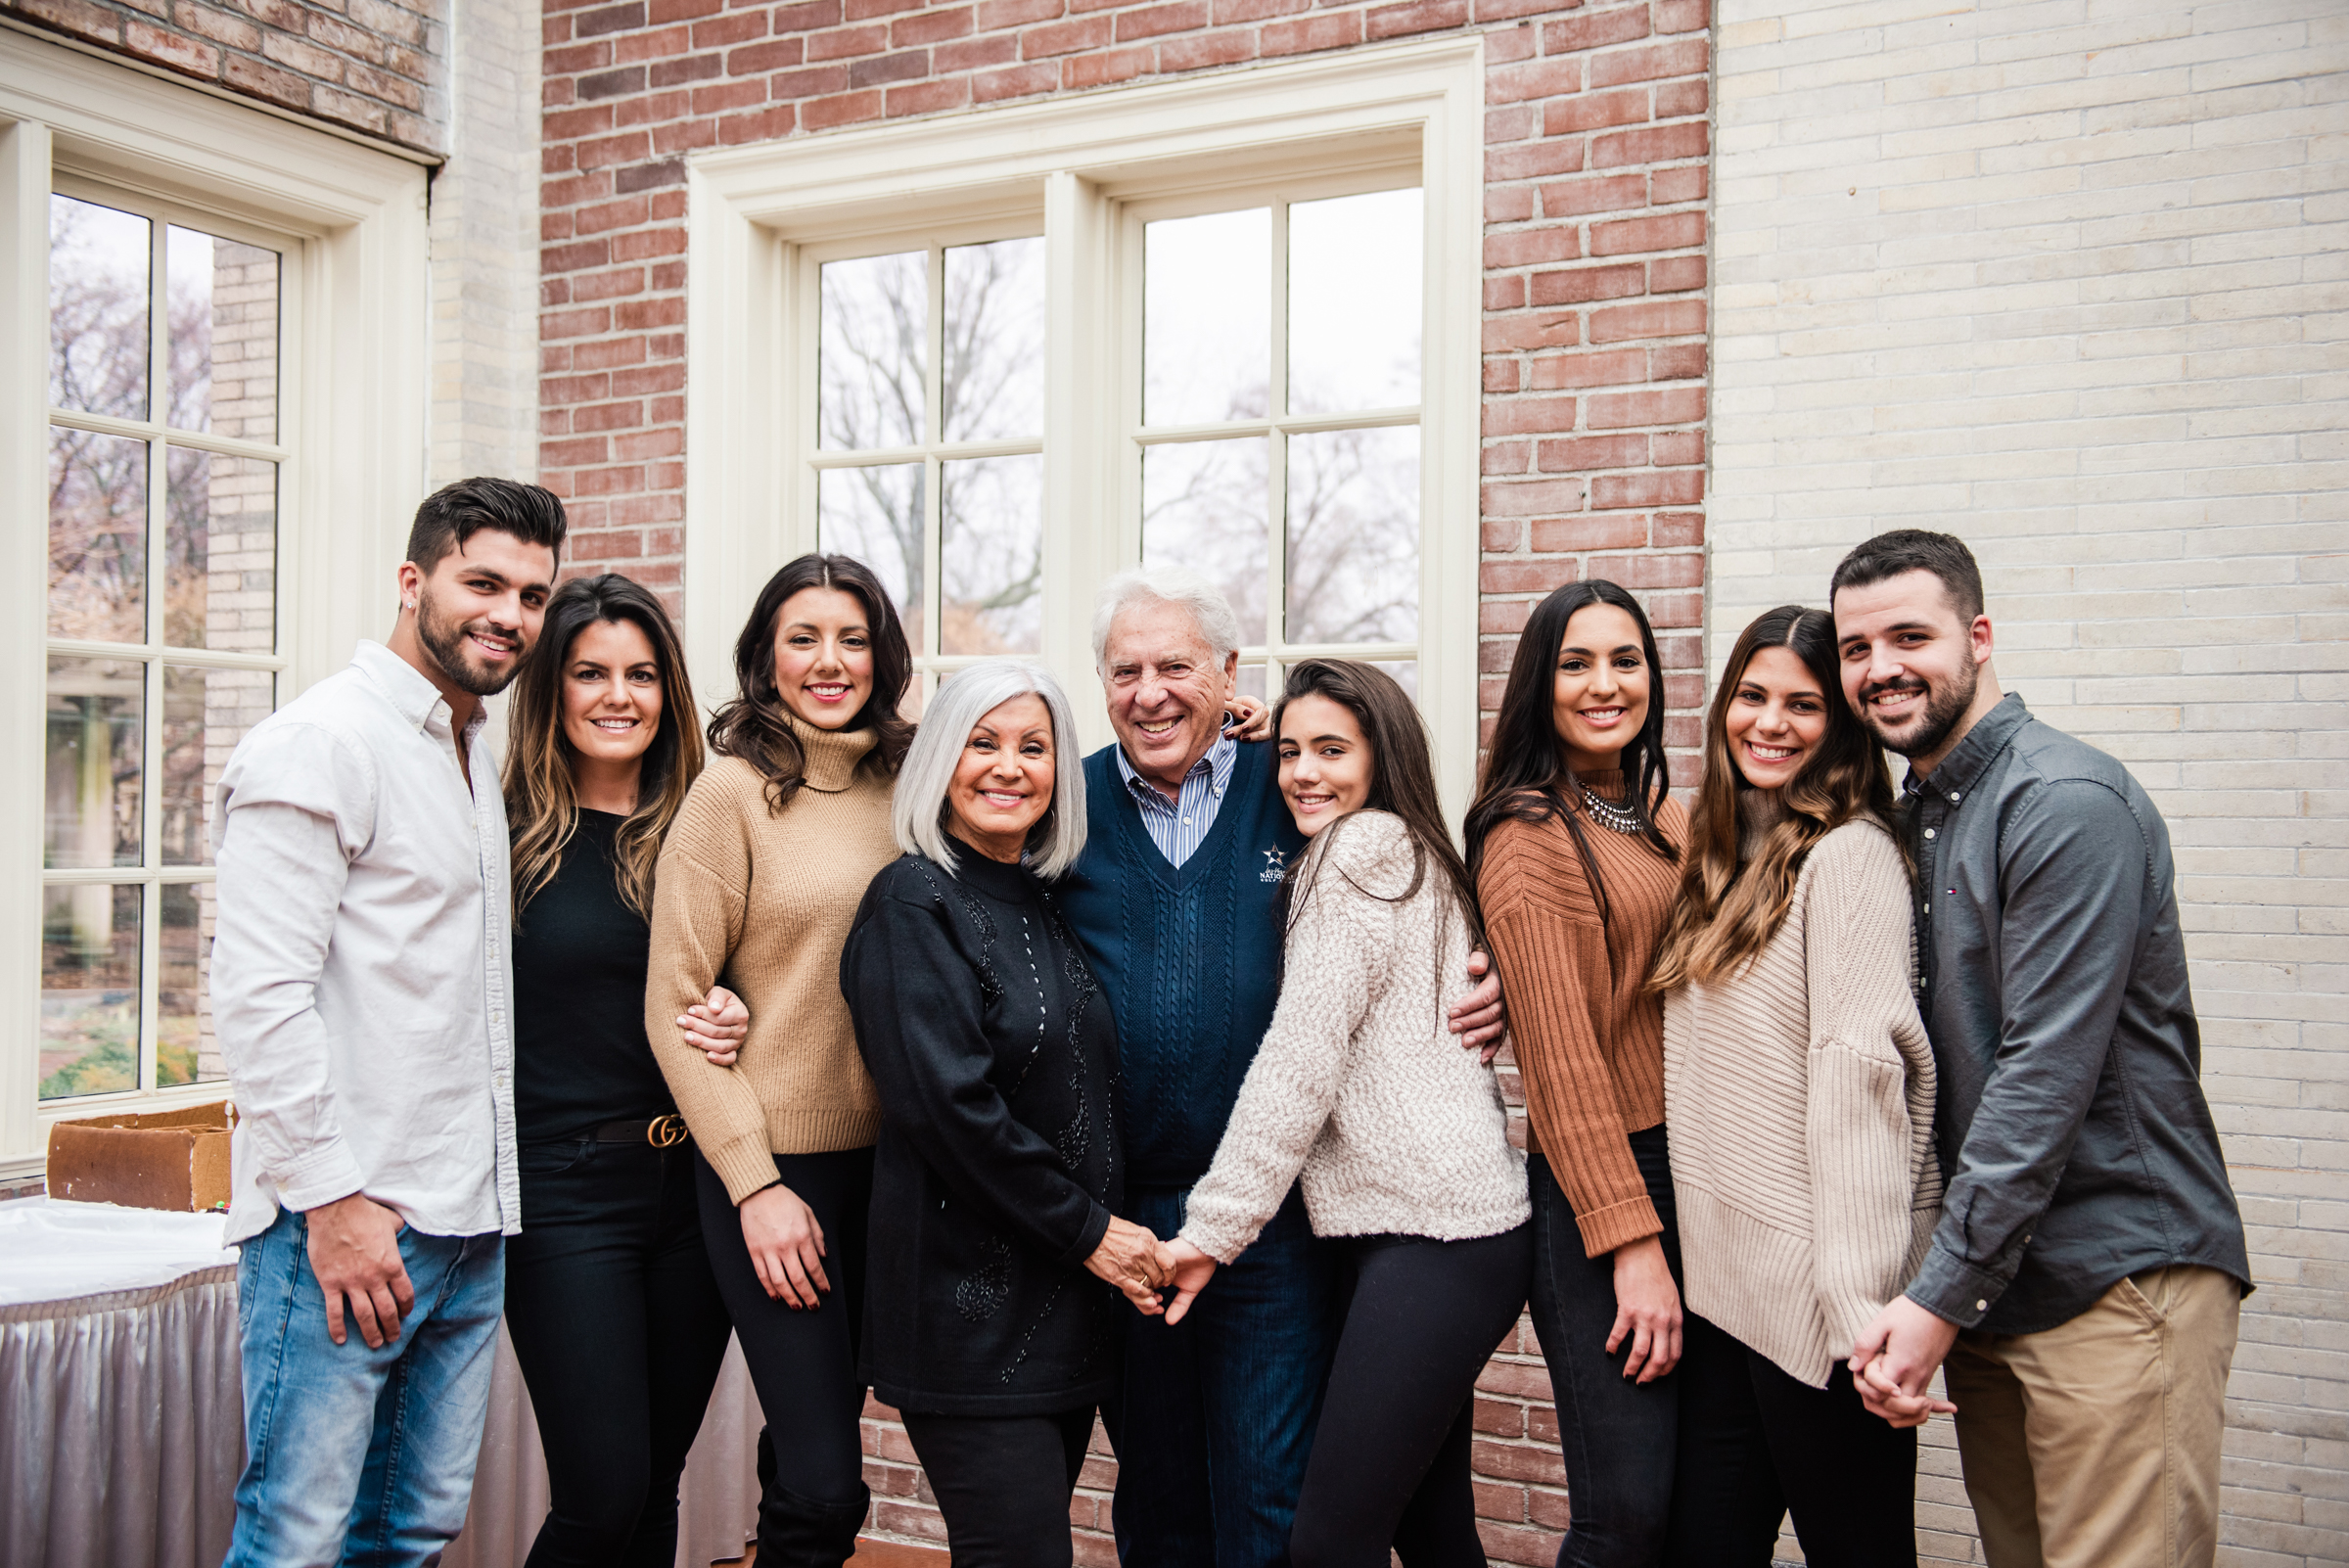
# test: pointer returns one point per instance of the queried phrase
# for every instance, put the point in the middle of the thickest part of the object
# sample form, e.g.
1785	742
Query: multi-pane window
165	449
930	466
1274	407
1278	421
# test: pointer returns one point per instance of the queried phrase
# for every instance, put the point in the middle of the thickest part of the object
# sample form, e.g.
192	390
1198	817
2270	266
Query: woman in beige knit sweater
1799	1086
757	883
1400	1136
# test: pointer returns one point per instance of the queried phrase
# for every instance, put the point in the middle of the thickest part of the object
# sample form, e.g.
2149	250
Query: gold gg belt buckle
666	1132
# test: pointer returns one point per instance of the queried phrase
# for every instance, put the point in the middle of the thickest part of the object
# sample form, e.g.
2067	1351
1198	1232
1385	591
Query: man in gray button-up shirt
2084	1280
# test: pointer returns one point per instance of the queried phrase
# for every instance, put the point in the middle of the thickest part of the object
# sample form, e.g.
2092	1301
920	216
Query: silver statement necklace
1607	814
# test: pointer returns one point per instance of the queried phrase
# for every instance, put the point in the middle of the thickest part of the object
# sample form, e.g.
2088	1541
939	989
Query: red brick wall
1595	369
374	66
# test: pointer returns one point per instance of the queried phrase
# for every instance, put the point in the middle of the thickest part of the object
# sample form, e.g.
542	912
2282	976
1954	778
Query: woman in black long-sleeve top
990	1316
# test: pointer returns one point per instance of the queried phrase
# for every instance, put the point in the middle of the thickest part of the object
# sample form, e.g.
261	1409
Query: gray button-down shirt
2074	1136
361	970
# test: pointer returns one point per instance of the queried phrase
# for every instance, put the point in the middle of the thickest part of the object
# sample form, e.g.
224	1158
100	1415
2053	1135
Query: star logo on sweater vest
1276	865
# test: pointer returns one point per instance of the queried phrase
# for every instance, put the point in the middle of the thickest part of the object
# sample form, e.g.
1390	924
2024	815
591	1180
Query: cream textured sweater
1800	1097
1358	1082
762	900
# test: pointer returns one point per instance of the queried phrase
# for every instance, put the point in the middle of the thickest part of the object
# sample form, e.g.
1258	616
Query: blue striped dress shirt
1178	826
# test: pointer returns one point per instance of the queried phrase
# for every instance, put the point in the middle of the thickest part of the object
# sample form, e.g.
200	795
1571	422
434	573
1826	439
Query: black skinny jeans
1755	1442
1617	1438
620	1331
1390	1462
803	1363
1003	1483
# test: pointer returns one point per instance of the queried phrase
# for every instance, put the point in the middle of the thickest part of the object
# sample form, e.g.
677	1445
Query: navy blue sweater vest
1190	956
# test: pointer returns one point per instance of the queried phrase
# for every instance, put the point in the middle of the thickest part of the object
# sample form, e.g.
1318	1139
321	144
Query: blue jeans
1215	1421
360	1456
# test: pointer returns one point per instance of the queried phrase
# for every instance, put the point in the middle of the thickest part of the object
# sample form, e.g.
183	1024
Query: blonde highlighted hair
1726	913
542	803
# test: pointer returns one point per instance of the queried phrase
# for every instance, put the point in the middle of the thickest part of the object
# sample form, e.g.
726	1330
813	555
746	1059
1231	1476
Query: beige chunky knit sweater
1800	1097
764	901
1359	1083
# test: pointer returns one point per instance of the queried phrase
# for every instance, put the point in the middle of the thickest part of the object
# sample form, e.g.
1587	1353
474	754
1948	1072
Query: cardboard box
144	1160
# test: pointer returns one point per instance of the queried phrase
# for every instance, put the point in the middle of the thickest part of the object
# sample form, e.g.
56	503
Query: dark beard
444	640
1942	709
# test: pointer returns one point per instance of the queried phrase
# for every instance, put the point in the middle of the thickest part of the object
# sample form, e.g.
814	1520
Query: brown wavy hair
1723	916
1402	774
542	803
754	727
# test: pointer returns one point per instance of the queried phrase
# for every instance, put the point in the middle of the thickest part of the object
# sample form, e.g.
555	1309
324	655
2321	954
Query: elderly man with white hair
1177	901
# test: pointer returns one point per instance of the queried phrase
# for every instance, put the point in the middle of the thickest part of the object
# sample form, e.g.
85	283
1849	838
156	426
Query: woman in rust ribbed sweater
1575	845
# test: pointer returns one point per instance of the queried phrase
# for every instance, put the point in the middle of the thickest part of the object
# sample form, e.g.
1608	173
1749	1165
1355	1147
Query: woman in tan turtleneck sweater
1575	845
759	882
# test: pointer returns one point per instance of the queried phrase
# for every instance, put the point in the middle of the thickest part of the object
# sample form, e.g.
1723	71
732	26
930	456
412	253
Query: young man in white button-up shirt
361	988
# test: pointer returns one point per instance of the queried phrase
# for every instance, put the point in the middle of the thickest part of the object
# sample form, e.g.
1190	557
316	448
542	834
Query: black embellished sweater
996	1057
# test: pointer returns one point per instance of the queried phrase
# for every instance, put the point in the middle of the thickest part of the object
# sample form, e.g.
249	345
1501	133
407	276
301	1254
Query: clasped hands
1895	1359
1140	1266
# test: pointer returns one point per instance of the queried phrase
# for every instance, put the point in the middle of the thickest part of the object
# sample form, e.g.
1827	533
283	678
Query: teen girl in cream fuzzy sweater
1398	1134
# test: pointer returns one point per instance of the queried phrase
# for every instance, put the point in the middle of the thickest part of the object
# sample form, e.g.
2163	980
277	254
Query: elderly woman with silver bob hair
991	1291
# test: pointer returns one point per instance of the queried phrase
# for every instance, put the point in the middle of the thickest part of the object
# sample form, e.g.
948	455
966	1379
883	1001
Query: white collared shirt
363	981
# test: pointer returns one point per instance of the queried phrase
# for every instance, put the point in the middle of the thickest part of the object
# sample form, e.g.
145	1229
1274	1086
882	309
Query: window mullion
933	420
1276	453
157	582
151	947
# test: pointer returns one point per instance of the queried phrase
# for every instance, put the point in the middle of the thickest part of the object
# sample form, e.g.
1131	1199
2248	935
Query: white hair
917	815
1218	626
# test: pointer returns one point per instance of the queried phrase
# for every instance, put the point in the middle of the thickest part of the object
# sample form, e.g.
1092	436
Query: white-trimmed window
928	458
164	453
1277	412
212	329
1229	322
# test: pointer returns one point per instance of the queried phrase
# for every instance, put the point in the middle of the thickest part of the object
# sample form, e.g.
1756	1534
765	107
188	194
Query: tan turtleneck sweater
762	900
1800	1090
1588	1033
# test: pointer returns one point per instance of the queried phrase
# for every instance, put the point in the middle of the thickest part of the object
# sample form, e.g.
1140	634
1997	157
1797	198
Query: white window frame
352	223
1071	167
929	450
1276	425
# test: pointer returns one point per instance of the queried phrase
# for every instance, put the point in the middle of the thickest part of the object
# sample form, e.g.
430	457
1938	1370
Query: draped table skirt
123	1431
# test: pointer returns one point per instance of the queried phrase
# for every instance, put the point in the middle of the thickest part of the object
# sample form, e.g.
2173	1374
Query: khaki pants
2096	1444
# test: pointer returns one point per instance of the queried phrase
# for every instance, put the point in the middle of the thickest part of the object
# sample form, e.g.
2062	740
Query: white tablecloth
123	1427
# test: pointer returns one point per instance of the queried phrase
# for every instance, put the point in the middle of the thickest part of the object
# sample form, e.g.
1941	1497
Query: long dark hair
542	803
1403	773
1525	772
1724	917
754	727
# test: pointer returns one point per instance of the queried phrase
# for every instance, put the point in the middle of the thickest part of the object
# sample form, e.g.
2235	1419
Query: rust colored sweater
1589	1035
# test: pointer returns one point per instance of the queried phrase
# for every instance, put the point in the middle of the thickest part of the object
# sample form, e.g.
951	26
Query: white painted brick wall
2067	277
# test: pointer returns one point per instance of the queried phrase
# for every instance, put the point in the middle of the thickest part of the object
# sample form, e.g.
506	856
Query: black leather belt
661	1131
